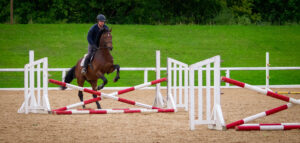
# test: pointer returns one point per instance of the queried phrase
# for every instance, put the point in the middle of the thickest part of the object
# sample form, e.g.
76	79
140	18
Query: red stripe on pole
233	124
278	109
126	101
246	128
98	112
106	109
92	91
132	111
158	81
234	82
289	127
60	109
126	90
57	82
63	112
166	110
155	108
278	96
92	100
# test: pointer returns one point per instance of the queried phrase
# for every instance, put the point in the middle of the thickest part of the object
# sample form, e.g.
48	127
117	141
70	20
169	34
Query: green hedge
153	11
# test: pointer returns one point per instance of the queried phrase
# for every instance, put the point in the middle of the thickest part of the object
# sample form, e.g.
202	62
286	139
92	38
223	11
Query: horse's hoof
116	79
99	87
63	87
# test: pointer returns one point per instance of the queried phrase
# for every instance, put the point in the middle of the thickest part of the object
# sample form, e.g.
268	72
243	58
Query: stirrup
83	70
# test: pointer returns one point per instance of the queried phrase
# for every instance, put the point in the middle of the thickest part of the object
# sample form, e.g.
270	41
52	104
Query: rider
93	38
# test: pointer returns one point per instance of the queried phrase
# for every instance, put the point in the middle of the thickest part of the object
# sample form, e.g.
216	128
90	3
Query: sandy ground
157	127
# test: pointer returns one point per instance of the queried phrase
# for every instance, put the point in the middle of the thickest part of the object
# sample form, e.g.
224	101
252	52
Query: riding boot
86	63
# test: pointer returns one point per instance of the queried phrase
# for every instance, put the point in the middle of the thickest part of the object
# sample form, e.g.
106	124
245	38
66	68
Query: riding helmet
101	17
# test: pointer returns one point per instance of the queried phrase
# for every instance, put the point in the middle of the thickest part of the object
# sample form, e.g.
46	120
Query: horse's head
106	39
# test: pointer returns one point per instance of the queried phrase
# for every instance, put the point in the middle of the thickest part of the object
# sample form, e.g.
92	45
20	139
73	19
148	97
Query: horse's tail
69	77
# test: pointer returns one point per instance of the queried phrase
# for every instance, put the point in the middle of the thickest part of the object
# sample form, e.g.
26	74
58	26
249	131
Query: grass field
135	45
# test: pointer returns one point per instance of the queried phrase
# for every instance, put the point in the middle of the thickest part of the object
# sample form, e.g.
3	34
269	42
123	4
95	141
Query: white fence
147	69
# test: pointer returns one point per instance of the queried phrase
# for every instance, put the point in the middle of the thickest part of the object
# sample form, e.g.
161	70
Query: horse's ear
105	30
110	29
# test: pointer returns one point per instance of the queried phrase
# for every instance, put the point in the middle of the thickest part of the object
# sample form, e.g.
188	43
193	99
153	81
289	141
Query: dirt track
161	127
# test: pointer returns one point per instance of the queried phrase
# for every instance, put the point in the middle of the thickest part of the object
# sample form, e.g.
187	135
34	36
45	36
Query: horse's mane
105	30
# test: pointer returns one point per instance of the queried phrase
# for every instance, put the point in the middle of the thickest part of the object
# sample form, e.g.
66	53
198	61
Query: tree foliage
153	11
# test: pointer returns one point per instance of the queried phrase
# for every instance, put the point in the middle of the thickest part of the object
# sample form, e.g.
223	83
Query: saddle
83	59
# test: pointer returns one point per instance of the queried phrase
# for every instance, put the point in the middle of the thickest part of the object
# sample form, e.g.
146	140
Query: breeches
90	49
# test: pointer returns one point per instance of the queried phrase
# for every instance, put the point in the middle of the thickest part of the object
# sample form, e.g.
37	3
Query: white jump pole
267	71
158	101
31	78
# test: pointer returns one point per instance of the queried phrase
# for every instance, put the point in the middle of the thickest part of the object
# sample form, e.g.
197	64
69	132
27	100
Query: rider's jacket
94	34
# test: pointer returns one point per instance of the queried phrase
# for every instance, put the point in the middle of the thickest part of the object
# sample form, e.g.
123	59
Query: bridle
107	41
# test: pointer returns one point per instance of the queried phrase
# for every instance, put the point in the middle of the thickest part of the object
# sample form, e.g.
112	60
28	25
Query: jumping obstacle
39	103
274	126
262	114
181	86
111	111
265	92
214	117
35	88
111	96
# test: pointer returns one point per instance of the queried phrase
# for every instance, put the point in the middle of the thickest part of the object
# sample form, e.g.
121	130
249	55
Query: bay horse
101	64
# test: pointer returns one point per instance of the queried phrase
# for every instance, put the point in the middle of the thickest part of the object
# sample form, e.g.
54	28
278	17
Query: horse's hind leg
94	86
117	67
80	94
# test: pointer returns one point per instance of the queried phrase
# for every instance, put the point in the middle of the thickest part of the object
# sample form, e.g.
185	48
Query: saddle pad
83	59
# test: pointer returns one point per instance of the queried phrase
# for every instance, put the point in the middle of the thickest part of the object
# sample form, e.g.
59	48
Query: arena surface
137	127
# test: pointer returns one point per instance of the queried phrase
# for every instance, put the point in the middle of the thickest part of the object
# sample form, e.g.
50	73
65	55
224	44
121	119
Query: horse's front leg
117	67
94	86
104	82
80	82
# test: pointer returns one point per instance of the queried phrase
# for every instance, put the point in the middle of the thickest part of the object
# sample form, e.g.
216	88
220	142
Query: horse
101	64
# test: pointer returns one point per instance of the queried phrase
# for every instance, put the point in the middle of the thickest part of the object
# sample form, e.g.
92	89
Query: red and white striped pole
138	87
261	127
111	96
110	111
78	104
114	93
265	92
270	124
259	115
74	87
